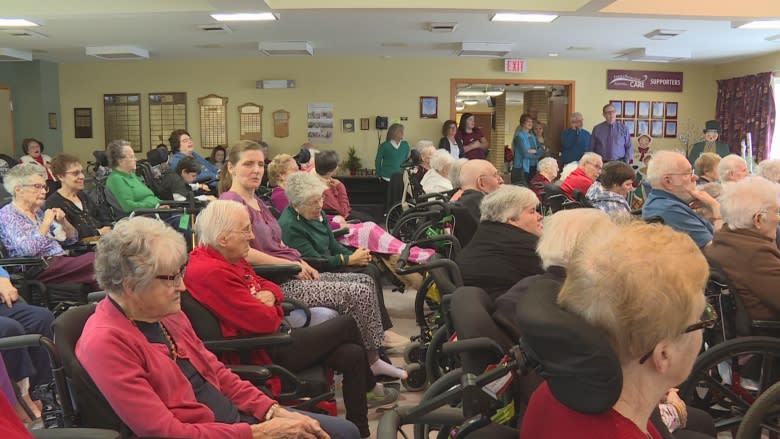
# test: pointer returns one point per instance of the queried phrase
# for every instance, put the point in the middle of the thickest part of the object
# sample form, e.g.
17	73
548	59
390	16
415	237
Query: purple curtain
747	105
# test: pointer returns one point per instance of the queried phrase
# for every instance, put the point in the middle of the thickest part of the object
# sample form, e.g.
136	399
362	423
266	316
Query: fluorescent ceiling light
761	24
16	22
495	92
7	54
553	54
117	52
459	107
471	93
497	50
470	102
286	48
255	16
523	18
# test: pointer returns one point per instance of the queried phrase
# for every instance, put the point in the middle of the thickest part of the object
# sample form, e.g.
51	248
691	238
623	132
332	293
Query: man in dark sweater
477	178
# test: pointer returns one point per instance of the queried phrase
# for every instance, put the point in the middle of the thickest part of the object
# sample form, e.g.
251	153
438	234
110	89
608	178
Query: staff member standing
391	153
575	140
611	139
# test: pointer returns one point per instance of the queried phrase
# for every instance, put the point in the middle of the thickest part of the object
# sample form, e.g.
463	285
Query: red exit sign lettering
514	66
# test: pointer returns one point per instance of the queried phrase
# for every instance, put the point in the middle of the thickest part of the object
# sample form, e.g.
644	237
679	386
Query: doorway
505	100
7	134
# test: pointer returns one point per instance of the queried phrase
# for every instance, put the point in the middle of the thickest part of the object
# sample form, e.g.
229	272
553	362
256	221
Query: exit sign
514	66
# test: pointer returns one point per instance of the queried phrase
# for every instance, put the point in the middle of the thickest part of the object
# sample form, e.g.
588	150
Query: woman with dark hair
71	199
450	140
33	153
181	183
475	145
526	151
610	192
394	151
217	157
182	146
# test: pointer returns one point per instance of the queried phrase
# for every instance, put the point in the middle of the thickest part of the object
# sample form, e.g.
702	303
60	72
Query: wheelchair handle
472	345
403	260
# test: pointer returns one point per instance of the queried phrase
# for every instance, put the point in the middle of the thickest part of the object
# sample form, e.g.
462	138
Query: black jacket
444	143
498	256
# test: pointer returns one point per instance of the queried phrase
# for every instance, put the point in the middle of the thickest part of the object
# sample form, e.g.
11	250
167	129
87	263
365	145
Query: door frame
564	82
13	121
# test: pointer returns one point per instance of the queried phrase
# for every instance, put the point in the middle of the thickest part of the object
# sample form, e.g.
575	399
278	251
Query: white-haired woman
502	250
437	180
546	173
732	168
29	231
142	353
770	169
745	247
348	293
604	288
219	277
426	150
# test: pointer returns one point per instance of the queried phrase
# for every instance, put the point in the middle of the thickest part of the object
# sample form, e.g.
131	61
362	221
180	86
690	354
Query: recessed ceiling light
459	107
762	24
470	102
255	16
16	22
553	54
523	18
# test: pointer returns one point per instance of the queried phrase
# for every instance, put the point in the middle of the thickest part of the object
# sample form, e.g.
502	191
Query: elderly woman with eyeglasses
29	231
604	288
143	354
80	211
744	248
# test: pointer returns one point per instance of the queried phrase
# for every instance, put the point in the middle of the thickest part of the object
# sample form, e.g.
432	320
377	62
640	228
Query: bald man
477	178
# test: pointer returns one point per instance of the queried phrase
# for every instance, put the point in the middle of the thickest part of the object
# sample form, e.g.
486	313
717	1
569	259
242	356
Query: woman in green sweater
129	190
392	152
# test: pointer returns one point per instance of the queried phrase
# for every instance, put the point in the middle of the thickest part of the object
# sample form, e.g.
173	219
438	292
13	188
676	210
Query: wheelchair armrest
289	305
239	344
20	342
277	272
75	433
340	232
319	264
250	372
26	262
479	344
96	296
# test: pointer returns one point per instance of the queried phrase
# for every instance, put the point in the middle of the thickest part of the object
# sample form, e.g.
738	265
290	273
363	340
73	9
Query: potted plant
352	162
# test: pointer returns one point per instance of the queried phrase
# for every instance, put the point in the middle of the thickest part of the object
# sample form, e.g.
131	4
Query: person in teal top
129	190
527	151
392	153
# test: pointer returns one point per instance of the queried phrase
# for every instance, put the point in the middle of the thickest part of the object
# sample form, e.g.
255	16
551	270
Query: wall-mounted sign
644	80
513	65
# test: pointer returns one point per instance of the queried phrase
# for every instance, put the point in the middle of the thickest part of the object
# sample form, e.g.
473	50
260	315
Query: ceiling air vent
118	52
663	34
651	54
496	50
23	33
7	54
215	28
276	48
447	27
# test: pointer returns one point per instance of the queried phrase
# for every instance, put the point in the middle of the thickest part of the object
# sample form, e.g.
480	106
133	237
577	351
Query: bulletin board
250	122
122	116
213	121
167	112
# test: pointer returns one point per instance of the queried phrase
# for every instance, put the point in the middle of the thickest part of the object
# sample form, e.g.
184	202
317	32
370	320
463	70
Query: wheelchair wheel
437	387
414	353
416	380
436	363
728	378
764	414
393	215
407	226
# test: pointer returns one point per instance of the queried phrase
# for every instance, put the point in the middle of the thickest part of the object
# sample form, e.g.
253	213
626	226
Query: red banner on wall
644	80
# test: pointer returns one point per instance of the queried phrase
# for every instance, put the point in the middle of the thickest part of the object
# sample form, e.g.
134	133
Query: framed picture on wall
429	107
643	109
364	123
670	128
642	126
657	128
629	109
657	110
348	125
618	107
630	126
670	110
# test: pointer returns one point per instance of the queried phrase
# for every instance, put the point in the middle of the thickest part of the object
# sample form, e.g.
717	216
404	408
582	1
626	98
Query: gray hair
136	251
20	175
568	169
574	116
454	174
423	145
564	229
727	166
742	200
115	151
770	169
440	159
589	157
662	163
547	164
300	187
392	130
217	219
507	203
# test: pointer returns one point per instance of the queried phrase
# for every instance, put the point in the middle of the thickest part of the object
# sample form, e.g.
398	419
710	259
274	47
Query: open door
6	121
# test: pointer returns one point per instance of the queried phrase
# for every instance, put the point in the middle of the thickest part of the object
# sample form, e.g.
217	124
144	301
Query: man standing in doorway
611	139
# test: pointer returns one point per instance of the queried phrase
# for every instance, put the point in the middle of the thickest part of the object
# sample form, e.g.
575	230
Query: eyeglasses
708	319
75	173
173	279
316	202
37	187
246	232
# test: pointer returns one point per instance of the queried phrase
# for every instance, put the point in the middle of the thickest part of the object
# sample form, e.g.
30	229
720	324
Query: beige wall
357	87
750	66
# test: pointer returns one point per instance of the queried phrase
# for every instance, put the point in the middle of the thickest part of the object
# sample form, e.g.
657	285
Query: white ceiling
169	28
